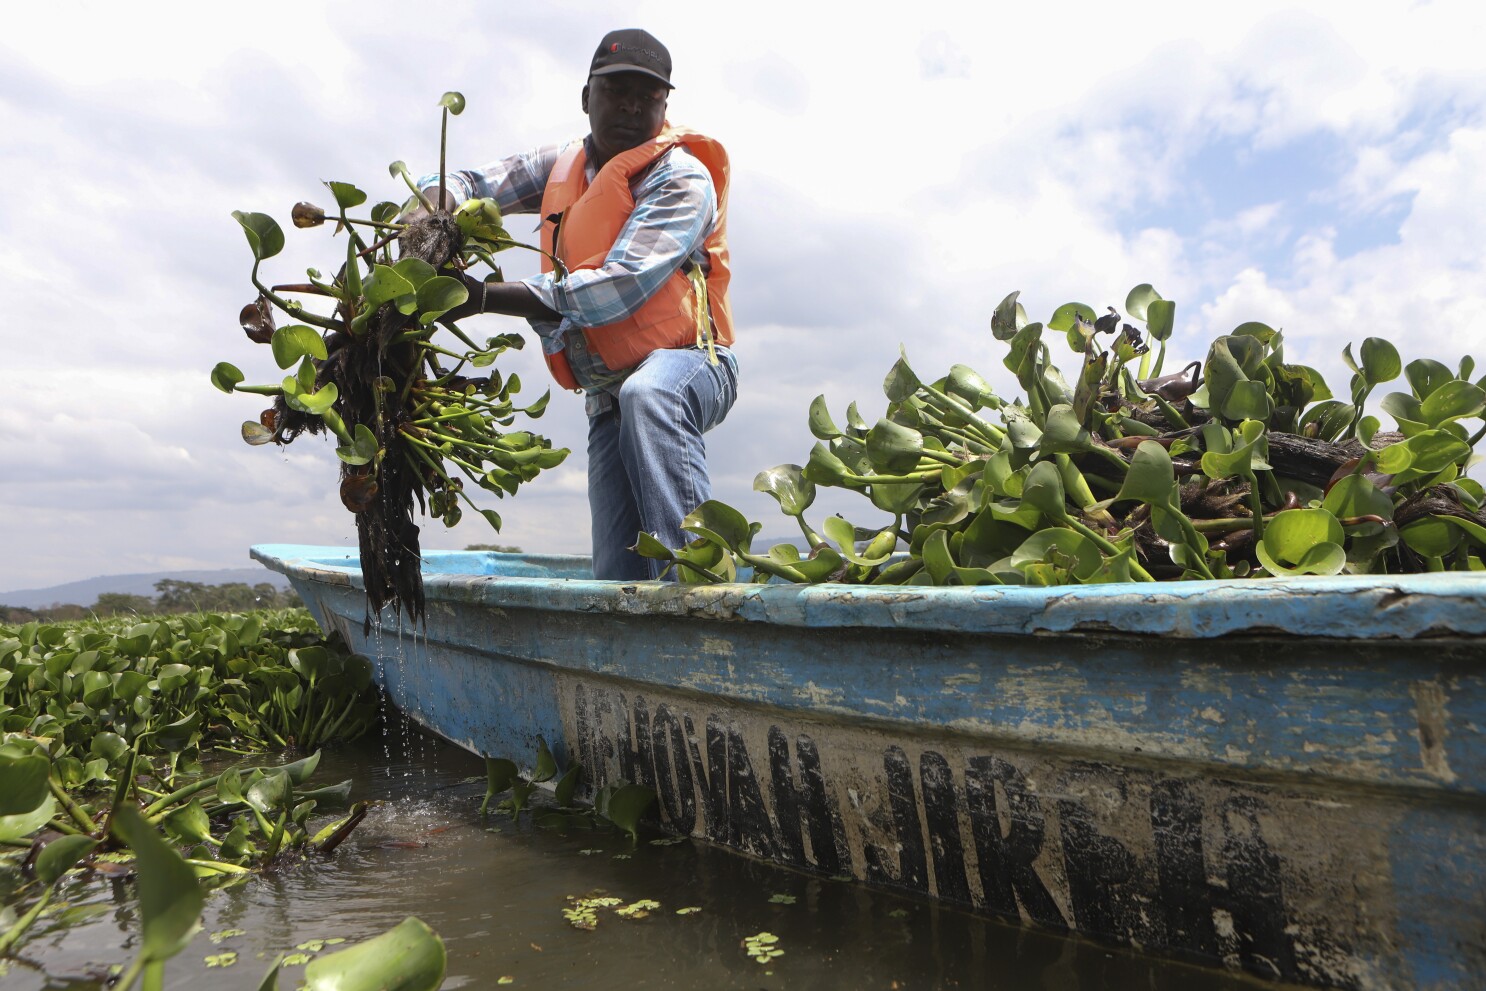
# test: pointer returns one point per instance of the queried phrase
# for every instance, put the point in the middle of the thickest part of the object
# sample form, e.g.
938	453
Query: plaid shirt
675	211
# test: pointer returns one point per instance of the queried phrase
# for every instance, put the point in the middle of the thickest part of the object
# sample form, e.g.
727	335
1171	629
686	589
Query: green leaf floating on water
546	766
170	900
61	855
23	784
408	957
626	805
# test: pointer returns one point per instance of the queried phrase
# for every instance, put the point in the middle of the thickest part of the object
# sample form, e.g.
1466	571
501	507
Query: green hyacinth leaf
1431	536
386	284
1303	541
1064	434
416	271
1150	478
264	235
170	900
1426	375
895	497
408	957
1065	317
294	342
546	766
627	805
363	450
722	524
1008	318
1356	495
1139	299
438	296
226	376
1160	318
61	855
1044	491
1248	400
566	785
1260	331
900	382
346	194
23	784
1380	361
789	486
1067	548
966	383
821	424
1453	400
894	448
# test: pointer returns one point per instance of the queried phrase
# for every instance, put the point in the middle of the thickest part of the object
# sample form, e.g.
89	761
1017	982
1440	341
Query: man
640	321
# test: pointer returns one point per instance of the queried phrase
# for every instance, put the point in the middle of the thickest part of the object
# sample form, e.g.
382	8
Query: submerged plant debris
1240	464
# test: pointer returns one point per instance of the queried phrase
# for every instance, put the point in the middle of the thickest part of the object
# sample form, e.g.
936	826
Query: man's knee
656	393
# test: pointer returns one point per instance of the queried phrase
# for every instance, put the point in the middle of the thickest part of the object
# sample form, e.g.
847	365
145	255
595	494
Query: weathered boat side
1288	777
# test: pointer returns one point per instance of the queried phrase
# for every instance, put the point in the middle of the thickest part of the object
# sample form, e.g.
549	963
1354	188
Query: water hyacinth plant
1240	464
414	417
104	728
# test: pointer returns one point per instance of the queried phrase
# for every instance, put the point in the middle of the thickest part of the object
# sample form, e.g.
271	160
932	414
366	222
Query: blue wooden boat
1284	776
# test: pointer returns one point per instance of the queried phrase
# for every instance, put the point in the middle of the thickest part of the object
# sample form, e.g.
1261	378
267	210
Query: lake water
495	891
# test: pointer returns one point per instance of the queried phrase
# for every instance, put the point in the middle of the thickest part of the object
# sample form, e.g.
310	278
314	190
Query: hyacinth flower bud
307	215
257	321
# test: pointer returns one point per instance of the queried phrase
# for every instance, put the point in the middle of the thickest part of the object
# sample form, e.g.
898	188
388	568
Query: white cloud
894	177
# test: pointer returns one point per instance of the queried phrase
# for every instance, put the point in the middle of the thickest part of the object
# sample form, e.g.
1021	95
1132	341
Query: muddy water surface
495	890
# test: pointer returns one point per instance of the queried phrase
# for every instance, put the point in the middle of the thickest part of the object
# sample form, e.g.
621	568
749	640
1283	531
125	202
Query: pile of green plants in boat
104	728
1240	464
413	418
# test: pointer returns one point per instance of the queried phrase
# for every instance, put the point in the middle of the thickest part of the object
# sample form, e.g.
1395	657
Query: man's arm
515	183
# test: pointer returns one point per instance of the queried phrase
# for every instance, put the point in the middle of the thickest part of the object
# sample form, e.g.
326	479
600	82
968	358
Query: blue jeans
647	462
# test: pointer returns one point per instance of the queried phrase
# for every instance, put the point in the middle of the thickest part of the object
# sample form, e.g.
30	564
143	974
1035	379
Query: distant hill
86	592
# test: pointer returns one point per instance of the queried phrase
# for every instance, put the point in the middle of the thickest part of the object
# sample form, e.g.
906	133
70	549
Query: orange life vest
581	222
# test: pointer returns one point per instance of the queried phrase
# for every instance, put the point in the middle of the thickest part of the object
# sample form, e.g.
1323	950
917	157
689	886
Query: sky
1319	167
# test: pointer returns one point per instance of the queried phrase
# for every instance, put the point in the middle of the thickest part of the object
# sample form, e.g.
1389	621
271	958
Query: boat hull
1287	778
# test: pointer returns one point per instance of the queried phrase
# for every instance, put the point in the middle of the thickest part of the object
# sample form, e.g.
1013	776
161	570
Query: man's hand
431	193
511	298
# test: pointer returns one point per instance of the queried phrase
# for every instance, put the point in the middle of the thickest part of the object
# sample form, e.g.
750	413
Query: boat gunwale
1351	607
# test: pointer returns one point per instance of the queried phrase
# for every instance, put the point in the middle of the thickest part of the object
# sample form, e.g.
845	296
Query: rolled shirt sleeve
515	183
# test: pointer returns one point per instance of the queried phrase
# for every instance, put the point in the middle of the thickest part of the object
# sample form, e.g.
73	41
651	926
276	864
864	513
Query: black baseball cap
632	50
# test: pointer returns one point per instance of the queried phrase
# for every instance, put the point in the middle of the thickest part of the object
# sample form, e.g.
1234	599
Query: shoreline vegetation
173	597
108	729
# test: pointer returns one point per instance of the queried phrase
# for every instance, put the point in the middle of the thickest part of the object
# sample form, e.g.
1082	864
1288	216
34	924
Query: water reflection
495	891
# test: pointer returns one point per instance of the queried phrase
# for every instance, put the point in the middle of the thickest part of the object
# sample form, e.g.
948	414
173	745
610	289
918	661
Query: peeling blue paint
1320	743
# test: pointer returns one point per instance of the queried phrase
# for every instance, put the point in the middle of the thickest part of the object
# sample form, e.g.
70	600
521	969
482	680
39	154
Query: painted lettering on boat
1128	855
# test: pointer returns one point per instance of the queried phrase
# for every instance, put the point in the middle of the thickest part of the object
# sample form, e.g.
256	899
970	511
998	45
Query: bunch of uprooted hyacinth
414	416
1240	464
